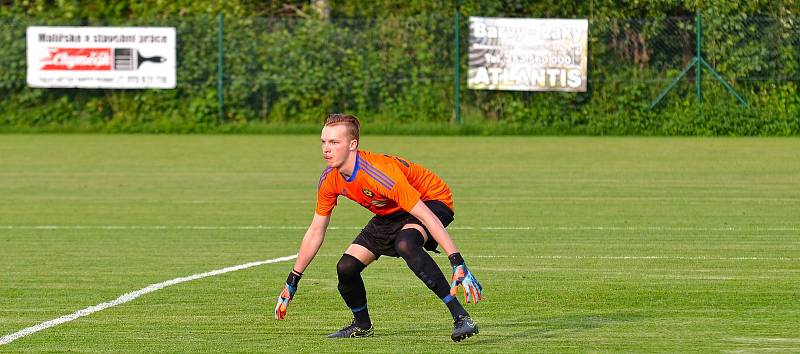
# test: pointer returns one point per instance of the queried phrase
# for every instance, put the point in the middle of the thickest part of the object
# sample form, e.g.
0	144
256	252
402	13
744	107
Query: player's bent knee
349	266
408	242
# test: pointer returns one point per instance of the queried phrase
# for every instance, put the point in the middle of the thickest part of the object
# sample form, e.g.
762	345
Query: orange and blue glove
287	294
473	292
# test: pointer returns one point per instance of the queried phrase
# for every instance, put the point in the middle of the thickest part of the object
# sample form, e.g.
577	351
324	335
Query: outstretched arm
308	249
312	241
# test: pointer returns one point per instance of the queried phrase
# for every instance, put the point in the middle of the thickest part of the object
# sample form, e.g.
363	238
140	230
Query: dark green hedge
391	63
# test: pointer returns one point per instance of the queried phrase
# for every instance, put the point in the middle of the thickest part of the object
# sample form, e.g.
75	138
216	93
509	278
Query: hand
287	294
283	301
472	289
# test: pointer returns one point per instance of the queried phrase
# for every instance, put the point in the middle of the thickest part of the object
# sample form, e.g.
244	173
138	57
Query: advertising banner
521	54
101	57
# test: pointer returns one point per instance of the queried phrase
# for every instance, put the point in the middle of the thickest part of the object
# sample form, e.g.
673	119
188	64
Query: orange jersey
383	184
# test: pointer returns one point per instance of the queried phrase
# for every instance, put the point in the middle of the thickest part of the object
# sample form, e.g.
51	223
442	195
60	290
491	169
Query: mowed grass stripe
298	227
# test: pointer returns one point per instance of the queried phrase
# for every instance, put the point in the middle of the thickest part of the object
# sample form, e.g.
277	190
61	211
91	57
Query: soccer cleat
463	328
352	331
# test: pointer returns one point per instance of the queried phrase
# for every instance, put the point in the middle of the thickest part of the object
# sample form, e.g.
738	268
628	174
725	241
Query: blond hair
348	120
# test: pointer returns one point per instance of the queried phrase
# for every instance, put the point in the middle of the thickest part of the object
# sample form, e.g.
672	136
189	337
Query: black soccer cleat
463	328
352	331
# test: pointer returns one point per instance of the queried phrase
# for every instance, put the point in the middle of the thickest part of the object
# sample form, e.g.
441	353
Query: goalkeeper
412	207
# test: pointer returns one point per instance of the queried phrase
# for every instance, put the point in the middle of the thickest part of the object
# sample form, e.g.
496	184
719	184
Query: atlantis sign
520	54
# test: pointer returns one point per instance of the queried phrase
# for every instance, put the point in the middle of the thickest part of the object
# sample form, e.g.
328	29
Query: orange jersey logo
383	184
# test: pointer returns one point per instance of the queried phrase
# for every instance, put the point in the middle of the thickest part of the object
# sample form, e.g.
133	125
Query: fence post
220	65
457	65
698	63
698	69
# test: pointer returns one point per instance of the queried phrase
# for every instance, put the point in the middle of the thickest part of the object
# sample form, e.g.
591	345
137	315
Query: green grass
581	244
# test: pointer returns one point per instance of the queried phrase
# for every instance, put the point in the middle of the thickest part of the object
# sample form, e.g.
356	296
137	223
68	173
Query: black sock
409	246
351	287
454	306
361	318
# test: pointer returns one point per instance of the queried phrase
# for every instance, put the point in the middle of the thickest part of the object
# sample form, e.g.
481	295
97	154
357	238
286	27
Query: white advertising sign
101	57
522	54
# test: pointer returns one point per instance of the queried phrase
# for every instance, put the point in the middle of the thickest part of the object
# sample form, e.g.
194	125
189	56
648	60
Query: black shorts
379	234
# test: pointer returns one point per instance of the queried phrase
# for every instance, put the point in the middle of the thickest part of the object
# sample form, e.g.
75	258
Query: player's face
336	145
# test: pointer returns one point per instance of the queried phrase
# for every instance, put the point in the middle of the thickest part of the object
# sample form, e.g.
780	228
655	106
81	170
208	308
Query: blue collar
355	169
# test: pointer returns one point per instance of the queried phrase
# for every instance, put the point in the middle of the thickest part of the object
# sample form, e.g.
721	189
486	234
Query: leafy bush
391	63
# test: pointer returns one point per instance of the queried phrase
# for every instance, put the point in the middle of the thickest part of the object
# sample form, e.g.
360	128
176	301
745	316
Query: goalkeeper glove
462	276
287	294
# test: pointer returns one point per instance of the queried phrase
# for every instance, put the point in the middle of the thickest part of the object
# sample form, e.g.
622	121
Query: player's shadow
513	329
499	332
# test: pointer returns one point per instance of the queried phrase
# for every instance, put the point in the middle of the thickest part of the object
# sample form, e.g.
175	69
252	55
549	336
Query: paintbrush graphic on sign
130	59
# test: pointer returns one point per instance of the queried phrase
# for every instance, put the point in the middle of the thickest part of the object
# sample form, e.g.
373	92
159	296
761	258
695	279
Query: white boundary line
484	228
693	258
131	296
158	286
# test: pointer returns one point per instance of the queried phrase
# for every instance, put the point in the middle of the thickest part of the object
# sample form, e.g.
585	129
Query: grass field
581	244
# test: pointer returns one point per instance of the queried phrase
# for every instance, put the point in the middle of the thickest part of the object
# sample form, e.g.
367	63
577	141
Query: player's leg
409	245
351	287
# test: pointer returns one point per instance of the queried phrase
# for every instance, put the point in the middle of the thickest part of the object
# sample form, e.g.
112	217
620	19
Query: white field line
484	228
131	296
693	258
